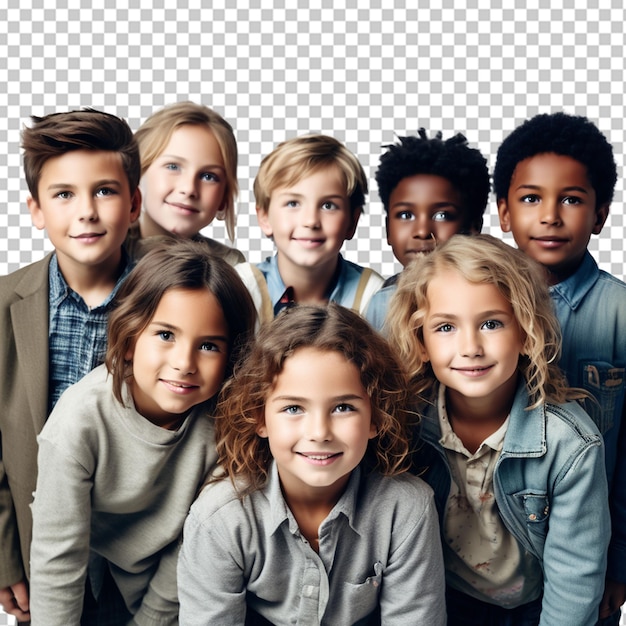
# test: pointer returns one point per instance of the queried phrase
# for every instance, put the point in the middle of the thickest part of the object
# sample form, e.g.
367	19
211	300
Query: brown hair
154	135
175	264
302	156
87	129
482	259
333	328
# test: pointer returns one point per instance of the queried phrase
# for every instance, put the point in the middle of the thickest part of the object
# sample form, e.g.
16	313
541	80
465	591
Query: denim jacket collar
574	289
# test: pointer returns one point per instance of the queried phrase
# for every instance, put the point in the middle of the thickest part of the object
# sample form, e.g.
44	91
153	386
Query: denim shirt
378	306
591	307
550	487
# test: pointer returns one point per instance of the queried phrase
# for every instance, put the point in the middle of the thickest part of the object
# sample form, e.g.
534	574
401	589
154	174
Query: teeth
320	457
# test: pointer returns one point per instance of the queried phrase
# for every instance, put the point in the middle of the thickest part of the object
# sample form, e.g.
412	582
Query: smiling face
185	186
551	210
423	210
179	359
472	340
86	207
309	221
318	419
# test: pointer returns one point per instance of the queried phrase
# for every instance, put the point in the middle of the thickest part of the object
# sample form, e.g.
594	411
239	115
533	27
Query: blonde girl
189	177
126	448
313	520
517	465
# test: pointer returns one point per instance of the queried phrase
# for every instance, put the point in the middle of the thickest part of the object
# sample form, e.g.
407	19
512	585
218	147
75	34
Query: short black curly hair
452	159
567	135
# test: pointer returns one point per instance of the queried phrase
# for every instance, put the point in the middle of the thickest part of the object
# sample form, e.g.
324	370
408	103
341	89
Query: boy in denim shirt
82	169
431	189
554	180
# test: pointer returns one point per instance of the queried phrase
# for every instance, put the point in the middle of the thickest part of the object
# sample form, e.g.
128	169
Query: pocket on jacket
606	384
536	507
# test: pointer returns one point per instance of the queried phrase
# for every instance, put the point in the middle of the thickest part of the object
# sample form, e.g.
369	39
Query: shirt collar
59	289
574	289
281	512
283	295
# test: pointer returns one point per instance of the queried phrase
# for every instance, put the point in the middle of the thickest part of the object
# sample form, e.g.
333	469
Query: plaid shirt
77	335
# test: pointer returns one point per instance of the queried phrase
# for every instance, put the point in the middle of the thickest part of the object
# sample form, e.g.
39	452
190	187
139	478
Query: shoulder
231	255
572	418
611	283
27	279
218	500
405	494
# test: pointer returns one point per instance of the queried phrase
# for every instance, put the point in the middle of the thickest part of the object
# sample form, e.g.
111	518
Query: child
431	189
126	448
82	170
311	523
189	177
309	195
554	181
518	469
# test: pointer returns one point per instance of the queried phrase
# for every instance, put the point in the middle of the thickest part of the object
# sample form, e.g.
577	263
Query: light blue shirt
591	307
343	290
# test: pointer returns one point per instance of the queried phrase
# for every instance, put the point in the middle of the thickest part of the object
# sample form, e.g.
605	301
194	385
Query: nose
87	210
310	216
188	185
470	344
550	211
183	359
421	227
318	427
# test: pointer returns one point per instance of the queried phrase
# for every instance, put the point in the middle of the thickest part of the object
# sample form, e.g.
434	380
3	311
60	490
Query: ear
262	217
504	215
354	220
387	228
135	206
36	214
373	430
421	349
261	431
602	212
221	214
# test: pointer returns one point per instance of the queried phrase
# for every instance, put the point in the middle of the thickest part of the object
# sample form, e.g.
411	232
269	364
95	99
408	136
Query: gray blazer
24	307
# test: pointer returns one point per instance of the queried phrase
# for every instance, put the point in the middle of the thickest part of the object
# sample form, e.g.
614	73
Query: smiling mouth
183	207
178	386
87	236
473	371
319	456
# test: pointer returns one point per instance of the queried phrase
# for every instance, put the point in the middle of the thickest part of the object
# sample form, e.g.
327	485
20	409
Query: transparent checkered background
349	68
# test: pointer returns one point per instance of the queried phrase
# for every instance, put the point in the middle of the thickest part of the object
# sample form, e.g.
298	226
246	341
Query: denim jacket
591	307
550	488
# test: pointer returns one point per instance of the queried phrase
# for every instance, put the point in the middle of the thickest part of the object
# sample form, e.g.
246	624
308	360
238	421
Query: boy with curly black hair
431	189
554	179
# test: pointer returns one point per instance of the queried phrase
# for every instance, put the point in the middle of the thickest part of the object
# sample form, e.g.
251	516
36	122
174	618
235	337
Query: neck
149	228
310	284
93	283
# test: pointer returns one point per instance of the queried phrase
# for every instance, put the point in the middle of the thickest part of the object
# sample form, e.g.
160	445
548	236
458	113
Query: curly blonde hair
155	133
243	454
483	259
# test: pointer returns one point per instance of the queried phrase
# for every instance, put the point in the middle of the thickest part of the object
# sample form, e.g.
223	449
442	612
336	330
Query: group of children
217	442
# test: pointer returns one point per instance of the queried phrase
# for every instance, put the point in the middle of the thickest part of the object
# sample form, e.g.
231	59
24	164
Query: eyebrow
344	398
177	157
168	326
301	195
99	183
482	314
572	188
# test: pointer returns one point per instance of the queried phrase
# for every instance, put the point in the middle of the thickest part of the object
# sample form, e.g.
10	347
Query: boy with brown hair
82	169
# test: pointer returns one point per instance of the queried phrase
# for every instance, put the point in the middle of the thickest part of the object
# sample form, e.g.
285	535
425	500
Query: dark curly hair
333	328
452	159
567	135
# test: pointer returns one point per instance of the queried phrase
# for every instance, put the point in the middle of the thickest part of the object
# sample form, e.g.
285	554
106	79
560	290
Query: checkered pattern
349	68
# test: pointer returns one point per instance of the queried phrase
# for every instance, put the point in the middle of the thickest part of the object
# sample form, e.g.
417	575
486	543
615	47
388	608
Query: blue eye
172	167
292	409
492	324
209	177
329	206
444	328
165	335
444	216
